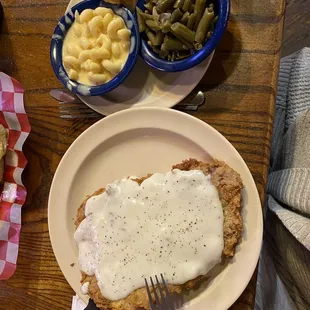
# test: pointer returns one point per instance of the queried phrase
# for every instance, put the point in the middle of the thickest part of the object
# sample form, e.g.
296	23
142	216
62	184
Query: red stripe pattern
13	193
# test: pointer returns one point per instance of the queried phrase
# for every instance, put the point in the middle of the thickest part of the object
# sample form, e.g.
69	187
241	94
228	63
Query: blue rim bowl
57	42
153	60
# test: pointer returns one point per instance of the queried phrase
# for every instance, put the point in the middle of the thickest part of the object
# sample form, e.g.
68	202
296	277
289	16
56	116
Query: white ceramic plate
147	87
137	142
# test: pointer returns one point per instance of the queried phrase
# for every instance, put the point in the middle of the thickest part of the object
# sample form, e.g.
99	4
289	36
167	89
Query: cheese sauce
96	46
172	224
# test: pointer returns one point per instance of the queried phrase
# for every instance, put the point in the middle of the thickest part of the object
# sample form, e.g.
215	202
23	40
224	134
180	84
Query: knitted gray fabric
284	270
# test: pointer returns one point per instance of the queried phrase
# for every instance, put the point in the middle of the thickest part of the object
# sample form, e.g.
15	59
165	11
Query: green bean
155	49
171	44
213	23
165	5
183	55
198	10
144	15
150	36
163	53
175	55
166	27
182	31
149	6
155	13
141	21
147	16
176	15
189	45
204	25
197	46
191	21
186	5
184	18
154	25
178	4
191	8
171	56
159	38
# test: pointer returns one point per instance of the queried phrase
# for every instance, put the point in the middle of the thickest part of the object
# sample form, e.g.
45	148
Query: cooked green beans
166	27
189	45
178	4
183	32
182	55
165	5
176	15
203	25
198	46
153	25
171	44
159	38
175	29
212	27
163	54
141	21
184	18
198	10
186	5
191	21
150	36
149	6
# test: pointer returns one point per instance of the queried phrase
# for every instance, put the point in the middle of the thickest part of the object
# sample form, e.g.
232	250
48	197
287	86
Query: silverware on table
69	110
165	301
70	106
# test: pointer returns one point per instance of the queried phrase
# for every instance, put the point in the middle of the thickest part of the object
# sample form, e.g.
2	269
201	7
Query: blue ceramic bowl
223	9
57	41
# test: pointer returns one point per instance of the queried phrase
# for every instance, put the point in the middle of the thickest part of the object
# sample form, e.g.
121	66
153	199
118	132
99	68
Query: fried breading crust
229	185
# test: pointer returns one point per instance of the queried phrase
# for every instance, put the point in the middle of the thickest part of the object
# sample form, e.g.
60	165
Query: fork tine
68	112
80	111
155	293
149	294
69	116
74	107
168	297
163	299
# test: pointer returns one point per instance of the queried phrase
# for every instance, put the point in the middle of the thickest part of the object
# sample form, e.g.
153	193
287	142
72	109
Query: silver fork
70	106
69	110
165	302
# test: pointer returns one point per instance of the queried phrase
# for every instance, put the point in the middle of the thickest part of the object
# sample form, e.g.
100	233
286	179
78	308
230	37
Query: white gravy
172	224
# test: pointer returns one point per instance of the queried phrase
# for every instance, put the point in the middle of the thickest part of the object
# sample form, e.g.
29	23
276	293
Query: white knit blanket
284	271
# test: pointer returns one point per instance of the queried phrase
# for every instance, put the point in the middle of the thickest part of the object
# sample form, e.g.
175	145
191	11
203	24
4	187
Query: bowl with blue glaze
62	28
222	9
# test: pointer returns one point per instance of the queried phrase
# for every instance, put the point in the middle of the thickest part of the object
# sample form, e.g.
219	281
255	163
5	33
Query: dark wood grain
240	87
297	26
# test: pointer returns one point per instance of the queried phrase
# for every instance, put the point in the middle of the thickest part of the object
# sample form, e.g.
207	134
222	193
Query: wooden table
240	87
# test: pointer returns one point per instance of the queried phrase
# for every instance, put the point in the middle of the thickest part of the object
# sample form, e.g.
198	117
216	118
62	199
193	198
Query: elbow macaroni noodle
96	46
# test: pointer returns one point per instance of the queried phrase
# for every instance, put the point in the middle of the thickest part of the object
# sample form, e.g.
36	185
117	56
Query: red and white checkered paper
13	193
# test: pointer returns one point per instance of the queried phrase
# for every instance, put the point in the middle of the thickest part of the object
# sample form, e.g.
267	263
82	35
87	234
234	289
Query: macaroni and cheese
96	46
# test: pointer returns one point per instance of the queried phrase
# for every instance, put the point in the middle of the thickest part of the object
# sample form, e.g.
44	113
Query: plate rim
166	104
252	184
